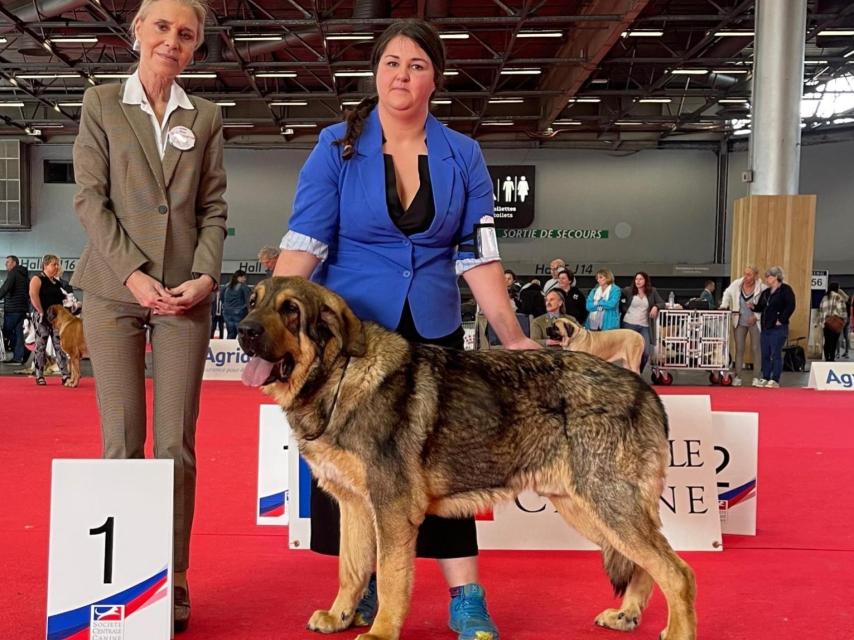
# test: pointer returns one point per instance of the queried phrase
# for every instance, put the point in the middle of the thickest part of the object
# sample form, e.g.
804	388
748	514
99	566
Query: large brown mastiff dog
71	339
396	430
613	345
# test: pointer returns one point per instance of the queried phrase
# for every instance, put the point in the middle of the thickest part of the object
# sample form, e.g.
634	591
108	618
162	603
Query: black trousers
437	537
831	341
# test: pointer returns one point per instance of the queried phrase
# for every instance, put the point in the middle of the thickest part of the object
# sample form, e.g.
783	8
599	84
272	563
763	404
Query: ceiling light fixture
289	103
237	125
258	37
655	100
521	72
840	33
733	101
573	123
643	33
734	34
46	76
198	75
585	100
303	125
450	73
539	34
112	76
441	101
226	103
497	123
276	74
11	104
731	72
350	36
74	40
353	74
506	100
454	35
70	104
689	72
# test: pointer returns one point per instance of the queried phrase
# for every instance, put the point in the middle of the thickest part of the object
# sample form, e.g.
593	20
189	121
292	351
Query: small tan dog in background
71	339
611	345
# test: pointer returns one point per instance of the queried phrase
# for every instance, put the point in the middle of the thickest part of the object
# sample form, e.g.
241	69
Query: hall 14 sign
513	192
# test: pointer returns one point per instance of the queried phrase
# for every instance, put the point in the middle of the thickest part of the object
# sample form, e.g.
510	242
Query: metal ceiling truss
603	51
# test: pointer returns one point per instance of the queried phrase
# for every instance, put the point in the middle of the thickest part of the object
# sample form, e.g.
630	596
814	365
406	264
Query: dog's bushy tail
618	567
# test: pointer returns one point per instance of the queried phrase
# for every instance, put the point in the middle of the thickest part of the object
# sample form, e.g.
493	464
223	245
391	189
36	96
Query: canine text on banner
831	376
689	506
273	436
737	448
110	565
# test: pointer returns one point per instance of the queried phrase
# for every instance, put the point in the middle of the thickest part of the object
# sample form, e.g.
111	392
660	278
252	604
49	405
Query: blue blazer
371	263
610	305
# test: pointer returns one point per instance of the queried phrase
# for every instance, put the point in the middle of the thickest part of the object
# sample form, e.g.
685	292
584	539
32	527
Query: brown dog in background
71	339
611	346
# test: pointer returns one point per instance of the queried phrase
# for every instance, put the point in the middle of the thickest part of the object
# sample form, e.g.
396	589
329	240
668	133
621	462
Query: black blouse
419	216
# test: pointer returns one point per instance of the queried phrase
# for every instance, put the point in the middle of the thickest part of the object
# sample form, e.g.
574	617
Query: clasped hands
165	301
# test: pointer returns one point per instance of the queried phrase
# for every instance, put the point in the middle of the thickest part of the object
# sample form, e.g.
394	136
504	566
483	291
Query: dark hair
14	259
708	282
834	286
237	274
647	283
422	34
568	272
511	272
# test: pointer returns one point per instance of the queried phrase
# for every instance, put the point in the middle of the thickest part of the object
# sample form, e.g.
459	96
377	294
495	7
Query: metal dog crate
692	340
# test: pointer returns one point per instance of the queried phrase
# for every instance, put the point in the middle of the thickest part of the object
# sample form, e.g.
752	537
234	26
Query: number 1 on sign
107	530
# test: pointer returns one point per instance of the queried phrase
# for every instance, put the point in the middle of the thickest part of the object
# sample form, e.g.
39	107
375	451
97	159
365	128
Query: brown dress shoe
182	609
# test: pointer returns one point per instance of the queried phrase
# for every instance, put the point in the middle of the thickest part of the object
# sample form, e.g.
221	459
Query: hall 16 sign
513	193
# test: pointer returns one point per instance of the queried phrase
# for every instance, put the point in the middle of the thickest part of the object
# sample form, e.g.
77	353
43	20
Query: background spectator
737	297
45	291
531	300
554	266
554	309
15	293
639	306
235	302
512	288
776	304
832	315
576	305
603	303
708	293
267	256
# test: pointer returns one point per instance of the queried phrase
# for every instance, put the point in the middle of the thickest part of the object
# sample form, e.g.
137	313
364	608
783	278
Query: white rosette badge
181	138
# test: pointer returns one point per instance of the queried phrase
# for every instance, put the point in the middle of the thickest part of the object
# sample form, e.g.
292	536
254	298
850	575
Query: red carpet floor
793	580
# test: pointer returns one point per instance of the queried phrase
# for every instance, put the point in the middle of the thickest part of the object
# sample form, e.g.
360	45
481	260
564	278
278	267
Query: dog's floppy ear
343	324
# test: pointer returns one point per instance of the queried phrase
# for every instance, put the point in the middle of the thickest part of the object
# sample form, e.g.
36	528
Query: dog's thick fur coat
71	339
395	430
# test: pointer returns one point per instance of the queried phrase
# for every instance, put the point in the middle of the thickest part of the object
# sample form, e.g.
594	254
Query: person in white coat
737	296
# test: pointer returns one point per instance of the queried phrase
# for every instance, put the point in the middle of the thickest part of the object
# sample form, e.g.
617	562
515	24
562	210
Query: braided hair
423	35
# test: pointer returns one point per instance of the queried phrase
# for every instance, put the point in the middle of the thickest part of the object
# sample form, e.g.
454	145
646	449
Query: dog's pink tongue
256	371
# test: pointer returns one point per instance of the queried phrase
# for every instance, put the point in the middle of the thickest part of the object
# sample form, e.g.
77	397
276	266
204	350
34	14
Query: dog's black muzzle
249	335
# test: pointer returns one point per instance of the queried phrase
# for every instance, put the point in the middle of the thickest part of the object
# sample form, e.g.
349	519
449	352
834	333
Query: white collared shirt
134	94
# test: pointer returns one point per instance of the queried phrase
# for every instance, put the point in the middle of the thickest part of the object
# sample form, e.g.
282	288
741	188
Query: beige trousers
115	333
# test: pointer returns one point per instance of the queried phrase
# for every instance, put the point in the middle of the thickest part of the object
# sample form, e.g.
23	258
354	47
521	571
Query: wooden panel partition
772	231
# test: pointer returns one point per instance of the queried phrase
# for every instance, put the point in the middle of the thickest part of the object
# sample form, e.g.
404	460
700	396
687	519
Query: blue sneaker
366	610
468	614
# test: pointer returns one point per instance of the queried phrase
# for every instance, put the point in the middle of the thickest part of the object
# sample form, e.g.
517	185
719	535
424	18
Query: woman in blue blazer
384	215
603	303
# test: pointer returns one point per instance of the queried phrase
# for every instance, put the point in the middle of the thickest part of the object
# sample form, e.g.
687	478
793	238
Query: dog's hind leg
397	528
627	578
74	365
637	537
355	564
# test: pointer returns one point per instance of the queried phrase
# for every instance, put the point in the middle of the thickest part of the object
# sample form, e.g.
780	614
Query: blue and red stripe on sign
74	624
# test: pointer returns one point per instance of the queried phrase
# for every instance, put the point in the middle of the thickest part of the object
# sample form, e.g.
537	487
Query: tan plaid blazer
166	218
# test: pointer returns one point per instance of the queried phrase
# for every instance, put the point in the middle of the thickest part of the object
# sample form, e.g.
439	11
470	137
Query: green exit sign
231	231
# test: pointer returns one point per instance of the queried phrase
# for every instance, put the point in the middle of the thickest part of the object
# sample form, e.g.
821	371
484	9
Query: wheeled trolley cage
687	340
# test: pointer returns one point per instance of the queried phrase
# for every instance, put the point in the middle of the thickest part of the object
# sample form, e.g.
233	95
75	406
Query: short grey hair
268	253
777	272
753	269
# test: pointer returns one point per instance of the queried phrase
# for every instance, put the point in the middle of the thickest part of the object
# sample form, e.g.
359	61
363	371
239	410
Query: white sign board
225	360
737	448
689	505
273	435
110	567
831	376
689	511
819	280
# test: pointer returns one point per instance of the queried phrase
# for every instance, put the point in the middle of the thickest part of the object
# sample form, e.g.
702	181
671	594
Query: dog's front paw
325	622
619	620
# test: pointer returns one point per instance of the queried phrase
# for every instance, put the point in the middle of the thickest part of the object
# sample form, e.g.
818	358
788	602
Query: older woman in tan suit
148	163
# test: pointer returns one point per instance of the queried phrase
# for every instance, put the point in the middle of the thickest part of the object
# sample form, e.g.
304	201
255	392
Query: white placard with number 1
110	568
